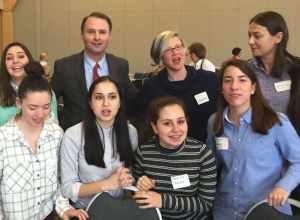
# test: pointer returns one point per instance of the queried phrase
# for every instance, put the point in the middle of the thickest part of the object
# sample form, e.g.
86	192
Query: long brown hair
7	93
294	103
263	117
93	145
275	23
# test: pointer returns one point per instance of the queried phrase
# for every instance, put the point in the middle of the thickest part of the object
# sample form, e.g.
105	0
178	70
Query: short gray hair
159	44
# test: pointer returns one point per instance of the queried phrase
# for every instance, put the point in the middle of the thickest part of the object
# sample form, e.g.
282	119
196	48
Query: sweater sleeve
203	200
138	170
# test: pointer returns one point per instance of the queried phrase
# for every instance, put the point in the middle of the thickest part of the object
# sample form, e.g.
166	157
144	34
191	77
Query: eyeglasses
170	50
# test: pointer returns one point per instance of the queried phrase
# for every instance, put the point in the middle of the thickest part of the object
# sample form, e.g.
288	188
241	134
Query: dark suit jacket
69	83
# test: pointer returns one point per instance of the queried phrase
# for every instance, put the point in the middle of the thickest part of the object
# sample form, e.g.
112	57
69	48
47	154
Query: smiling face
105	103
171	126
173	57
261	42
237	88
96	36
15	61
35	108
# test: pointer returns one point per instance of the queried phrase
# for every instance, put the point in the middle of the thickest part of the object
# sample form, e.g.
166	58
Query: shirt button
239	139
38	188
38	203
235	183
37	161
38	175
235	169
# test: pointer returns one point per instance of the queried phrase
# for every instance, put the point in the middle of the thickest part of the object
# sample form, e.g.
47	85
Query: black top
196	82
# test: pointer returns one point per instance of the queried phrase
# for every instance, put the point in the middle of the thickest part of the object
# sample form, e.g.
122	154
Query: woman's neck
268	63
104	124
177	75
95	56
31	133
17	81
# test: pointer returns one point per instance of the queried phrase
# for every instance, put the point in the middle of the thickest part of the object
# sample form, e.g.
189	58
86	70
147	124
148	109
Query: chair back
105	207
262	211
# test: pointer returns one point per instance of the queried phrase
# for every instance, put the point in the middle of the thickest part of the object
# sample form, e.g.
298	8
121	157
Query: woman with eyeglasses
197	89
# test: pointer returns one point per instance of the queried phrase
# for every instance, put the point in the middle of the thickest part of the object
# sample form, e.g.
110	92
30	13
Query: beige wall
54	25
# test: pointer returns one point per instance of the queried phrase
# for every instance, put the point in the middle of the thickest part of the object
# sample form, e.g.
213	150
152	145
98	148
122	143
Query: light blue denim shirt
88	69
253	164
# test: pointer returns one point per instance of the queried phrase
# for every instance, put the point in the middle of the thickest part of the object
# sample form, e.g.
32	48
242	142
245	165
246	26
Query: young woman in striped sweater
174	173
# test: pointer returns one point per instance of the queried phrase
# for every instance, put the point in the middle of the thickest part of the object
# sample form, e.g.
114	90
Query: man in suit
73	75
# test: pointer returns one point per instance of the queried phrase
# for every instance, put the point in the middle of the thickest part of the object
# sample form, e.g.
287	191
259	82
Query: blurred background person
45	64
198	54
236	53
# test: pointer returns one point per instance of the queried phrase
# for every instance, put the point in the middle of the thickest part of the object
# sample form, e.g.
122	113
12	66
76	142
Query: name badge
283	86
201	98
222	143
180	181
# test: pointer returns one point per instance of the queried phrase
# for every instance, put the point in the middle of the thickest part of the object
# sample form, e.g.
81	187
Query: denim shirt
253	164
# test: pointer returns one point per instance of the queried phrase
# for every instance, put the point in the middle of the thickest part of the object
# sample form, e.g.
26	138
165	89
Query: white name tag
222	143
283	86
180	181
201	98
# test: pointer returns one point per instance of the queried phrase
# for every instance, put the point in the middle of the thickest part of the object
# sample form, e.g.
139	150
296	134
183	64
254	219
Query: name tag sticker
222	143
180	181
201	98
283	86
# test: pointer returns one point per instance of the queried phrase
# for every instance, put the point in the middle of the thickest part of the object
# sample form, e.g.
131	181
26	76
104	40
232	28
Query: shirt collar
91	63
198	64
257	63
246	118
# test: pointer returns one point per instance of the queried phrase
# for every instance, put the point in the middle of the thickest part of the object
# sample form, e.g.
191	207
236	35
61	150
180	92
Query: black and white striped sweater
192	158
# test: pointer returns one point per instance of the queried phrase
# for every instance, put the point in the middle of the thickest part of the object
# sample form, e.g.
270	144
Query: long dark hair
263	117
34	80
294	103
7	93
275	23
93	146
